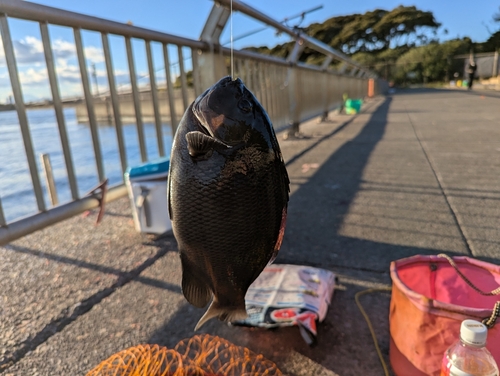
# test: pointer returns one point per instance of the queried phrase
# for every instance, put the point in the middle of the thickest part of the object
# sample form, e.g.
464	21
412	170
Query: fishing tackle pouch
431	296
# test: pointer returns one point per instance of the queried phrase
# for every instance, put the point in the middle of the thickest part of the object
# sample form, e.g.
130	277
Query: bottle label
448	369
454	371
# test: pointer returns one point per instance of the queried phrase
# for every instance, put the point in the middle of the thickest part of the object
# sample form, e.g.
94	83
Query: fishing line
232	58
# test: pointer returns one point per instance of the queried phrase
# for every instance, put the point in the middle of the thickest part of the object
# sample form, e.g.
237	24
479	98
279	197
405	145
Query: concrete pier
104	110
417	172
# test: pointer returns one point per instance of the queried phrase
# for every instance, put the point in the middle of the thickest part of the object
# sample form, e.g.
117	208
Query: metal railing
290	91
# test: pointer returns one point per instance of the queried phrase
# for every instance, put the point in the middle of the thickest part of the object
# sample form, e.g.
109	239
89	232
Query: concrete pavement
417	172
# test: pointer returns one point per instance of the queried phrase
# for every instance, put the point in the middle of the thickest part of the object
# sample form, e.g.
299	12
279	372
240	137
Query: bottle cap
473	333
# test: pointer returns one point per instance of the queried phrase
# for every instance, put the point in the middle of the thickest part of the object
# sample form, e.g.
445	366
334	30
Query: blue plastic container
147	189
153	169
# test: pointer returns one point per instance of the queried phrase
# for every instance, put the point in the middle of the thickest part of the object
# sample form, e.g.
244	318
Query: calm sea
16	191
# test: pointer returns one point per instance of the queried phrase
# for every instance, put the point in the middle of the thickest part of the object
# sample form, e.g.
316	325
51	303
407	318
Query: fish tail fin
226	314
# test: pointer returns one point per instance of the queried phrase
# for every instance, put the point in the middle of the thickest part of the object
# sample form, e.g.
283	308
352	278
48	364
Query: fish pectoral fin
227	314
200	144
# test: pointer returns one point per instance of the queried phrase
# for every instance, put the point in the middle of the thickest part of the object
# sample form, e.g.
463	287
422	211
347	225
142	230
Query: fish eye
245	105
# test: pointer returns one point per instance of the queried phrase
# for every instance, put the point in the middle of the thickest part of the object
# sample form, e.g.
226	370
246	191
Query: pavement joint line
439	179
427	187
70	314
345	267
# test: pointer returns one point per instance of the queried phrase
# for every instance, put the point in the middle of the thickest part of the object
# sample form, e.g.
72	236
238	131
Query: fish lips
218	112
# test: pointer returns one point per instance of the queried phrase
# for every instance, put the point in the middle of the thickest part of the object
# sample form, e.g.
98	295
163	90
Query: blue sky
186	18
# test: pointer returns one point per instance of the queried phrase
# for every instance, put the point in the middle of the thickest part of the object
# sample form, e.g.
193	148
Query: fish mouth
210	122
202	116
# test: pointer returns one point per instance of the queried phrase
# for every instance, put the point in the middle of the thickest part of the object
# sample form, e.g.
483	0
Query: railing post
324	67
170	89
3	222
294	89
211	63
136	99
212	67
89	101
49	178
58	108
324	91
343	68
154	97
195	52
115	101
495	65
21	110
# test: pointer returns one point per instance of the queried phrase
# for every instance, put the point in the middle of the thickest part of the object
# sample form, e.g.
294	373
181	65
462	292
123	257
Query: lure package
286	295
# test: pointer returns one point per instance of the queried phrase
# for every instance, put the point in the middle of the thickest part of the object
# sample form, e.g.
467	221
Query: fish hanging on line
228	192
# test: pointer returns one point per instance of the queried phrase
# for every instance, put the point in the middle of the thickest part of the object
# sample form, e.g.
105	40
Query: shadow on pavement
316	213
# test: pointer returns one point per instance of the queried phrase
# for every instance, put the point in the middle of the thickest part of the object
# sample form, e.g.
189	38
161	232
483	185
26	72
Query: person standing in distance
471	70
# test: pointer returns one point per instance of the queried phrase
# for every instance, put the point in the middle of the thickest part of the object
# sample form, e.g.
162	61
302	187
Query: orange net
201	355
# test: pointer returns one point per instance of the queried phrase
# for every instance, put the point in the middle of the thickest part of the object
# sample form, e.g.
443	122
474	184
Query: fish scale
228	194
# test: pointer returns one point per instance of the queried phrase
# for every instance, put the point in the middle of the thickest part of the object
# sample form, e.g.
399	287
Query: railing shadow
310	236
98	267
314	237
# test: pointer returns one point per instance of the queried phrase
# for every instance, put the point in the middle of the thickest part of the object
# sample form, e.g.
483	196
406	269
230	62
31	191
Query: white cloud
29	50
30	60
67	72
33	74
94	54
33	77
4	82
63	49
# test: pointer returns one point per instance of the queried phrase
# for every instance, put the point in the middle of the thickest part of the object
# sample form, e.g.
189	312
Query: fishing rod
285	20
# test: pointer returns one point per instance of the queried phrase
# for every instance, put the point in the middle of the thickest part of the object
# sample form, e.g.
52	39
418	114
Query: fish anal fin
227	314
195	291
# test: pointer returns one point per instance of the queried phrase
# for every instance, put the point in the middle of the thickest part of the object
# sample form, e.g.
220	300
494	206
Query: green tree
189	80
493	42
381	62
431	62
407	26
374	31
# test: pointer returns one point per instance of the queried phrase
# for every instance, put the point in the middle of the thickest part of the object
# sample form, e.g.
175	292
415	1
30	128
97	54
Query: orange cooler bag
431	296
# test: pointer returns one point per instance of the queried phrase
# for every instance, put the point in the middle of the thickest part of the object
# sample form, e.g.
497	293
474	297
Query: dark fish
228	195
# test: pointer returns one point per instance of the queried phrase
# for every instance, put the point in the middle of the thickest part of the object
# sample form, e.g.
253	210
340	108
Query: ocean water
16	190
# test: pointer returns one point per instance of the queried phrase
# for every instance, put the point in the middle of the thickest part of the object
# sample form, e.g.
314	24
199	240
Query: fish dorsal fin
200	144
195	291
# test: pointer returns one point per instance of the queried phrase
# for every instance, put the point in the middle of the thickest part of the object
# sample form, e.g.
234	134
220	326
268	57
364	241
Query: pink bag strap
489	321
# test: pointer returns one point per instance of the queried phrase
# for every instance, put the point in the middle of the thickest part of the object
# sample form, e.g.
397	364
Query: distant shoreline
7	107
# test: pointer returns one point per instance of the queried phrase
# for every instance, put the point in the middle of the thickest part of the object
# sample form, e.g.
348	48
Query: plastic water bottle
469	355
